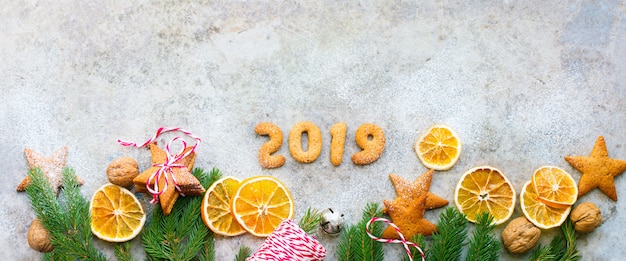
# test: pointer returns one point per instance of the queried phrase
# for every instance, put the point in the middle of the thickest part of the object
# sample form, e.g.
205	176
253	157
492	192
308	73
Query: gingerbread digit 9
372	148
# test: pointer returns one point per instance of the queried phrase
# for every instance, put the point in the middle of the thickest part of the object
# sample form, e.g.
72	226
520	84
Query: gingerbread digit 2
276	140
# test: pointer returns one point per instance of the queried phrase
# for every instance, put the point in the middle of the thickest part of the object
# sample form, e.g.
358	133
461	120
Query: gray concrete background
524	83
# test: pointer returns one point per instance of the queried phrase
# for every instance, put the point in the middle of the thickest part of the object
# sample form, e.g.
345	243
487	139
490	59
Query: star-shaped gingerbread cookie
187	183
406	189
409	219
51	166
407	210
598	170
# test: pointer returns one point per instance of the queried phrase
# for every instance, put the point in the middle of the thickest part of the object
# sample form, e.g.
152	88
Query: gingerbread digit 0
295	142
372	148
337	142
276	140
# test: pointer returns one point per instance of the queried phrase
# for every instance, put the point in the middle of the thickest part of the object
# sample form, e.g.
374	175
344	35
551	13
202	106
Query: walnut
122	171
520	235
39	238
586	217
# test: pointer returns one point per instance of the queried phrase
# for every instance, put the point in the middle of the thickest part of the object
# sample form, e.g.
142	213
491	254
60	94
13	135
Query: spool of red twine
289	242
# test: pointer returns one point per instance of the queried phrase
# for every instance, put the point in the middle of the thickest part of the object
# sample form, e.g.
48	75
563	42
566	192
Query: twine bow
404	242
166	167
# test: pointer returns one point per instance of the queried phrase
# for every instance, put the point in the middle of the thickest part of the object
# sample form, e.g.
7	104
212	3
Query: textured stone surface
524	83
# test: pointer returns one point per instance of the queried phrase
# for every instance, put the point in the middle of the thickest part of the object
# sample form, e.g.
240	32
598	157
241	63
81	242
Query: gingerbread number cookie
314	145
338	140
276	140
370	138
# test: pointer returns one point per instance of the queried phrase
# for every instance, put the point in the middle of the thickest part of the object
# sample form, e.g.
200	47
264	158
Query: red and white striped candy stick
167	166
404	242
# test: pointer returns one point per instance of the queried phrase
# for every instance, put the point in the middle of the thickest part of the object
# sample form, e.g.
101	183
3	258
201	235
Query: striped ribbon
170	163
404	242
289	242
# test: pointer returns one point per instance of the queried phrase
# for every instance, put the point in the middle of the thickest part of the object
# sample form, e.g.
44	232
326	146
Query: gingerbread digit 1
372	148
337	142
295	142
266	159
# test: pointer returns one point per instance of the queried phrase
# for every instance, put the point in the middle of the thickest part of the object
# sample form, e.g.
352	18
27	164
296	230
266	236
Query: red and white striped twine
167	166
404	242
289	242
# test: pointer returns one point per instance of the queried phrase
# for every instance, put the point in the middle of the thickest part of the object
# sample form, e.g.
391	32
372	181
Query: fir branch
56	256
43	200
244	252
310	221
123	251
79	218
543	253
207	180
562	247
483	245
192	226
69	221
207	251
373	250
152	237
557	246
344	250
571	253
449	240
420	241
197	239
355	244
181	235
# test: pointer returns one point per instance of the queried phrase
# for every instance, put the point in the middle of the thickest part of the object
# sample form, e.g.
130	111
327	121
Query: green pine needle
543	253
557	246
355	244
449	240
244	252
182	234
44	201
571	253
373	249
123	251
207	251
56	256
344	250
311	220
67	218
420	241
561	248
483	245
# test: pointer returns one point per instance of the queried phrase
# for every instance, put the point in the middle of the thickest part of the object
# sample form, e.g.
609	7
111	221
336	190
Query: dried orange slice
555	187
537	212
216	209
116	214
439	147
485	189
261	204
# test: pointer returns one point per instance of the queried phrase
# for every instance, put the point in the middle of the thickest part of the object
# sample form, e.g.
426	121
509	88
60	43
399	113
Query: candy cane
402	241
170	163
